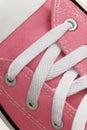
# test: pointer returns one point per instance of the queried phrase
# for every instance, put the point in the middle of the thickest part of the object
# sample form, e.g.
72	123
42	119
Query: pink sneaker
43	82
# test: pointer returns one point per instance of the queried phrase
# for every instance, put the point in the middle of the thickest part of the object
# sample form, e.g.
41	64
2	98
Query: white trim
82	3
14	12
4	124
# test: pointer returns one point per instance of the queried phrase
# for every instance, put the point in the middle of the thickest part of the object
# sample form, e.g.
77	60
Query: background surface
3	125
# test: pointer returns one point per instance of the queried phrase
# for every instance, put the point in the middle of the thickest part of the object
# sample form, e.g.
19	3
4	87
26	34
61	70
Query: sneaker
43	64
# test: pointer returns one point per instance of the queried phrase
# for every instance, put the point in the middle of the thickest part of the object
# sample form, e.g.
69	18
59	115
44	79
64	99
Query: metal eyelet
32	106
56	126
74	24
8	82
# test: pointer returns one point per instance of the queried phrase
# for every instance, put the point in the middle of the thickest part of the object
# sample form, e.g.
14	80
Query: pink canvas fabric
14	99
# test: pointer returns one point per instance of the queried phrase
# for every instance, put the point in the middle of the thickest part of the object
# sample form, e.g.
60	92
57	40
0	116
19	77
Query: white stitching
67	47
46	92
68	109
21	109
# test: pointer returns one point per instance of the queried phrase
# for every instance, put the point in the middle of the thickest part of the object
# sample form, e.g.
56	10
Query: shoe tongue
64	9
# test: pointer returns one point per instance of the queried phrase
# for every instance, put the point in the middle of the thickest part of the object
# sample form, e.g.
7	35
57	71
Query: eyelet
73	22
8	82
56	126
32	106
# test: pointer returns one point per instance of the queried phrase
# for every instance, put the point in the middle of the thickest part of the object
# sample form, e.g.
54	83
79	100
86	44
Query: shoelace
47	70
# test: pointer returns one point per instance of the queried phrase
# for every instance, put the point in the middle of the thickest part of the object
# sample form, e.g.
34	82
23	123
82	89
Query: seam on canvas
29	116
46	88
75	11
54	19
21	109
49	94
47	91
55	11
67	46
26	114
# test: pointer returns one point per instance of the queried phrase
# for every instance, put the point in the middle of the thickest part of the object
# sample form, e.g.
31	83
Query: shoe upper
13	99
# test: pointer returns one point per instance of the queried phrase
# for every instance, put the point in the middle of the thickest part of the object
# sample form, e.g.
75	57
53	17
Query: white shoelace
47	70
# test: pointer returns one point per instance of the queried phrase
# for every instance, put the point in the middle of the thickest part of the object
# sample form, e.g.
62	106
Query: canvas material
67	9
62	10
14	99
